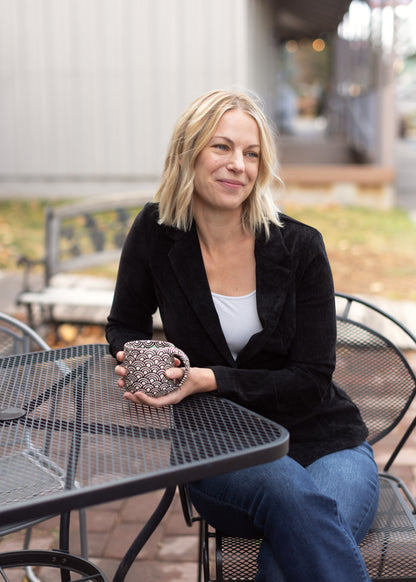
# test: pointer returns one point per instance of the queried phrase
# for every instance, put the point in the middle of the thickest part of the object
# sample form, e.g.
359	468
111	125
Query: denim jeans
311	519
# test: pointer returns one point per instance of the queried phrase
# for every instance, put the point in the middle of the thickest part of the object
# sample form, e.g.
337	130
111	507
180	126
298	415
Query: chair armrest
28	265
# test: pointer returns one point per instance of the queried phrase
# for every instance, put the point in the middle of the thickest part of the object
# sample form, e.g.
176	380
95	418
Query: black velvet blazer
285	371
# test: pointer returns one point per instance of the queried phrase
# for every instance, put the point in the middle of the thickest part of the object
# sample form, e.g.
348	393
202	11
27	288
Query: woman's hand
120	370
198	380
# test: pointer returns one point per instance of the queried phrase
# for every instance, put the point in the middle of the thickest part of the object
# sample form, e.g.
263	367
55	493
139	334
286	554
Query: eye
253	155
221	146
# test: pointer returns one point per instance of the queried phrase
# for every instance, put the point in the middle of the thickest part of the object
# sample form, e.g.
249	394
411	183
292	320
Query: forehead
237	122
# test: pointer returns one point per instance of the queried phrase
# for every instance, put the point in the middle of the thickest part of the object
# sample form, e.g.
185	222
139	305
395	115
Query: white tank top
239	319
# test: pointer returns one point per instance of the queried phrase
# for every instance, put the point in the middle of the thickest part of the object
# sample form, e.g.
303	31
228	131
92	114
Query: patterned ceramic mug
146	362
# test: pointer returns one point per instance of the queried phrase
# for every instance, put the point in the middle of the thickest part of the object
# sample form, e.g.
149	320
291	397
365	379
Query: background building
90	89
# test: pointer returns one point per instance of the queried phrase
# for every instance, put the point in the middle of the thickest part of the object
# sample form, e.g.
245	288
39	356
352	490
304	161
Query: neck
220	228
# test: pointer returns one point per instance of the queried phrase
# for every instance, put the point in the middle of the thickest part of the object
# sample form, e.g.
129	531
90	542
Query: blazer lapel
273	282
188	266
273	277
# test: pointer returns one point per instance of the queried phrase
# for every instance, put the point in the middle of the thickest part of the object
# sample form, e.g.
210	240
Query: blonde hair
191	134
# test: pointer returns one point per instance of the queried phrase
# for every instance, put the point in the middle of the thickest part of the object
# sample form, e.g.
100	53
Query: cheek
200	180
253	173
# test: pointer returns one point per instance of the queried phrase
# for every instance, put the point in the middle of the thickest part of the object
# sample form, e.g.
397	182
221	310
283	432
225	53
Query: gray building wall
90	89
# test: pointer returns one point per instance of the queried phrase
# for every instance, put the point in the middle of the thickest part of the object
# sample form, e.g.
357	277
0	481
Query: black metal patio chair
373	369
18	338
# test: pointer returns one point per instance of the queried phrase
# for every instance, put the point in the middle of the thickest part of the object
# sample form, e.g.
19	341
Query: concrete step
305	149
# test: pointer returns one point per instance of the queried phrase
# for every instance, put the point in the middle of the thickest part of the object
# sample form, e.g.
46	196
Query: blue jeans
311	519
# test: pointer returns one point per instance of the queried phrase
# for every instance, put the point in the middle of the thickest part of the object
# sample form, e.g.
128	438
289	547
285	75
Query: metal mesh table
68	439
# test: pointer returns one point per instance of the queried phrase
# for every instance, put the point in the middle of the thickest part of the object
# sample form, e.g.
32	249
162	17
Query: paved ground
171	554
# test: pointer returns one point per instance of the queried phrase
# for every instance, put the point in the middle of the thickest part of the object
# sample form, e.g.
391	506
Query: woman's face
227	167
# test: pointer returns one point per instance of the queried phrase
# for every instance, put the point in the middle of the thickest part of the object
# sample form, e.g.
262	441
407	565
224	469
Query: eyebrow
254	145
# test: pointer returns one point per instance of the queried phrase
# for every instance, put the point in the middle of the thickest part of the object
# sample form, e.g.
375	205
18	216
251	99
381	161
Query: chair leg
83	534
30	575
200	550
205	551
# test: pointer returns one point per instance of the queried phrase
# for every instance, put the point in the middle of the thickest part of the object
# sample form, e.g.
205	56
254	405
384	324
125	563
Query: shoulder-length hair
192	132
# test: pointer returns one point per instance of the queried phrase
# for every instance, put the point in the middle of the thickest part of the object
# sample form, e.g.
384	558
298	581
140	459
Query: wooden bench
83	242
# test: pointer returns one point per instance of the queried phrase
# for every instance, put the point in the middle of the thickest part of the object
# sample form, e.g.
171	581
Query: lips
231	183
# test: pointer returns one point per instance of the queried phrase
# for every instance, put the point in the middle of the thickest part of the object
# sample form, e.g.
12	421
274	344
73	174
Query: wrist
206	380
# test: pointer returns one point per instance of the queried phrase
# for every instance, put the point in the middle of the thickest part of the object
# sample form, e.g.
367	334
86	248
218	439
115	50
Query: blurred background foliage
371	251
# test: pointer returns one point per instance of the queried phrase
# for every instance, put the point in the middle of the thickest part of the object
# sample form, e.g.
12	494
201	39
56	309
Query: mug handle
185	362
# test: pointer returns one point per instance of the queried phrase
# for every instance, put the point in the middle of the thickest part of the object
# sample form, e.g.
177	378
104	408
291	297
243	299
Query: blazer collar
273	275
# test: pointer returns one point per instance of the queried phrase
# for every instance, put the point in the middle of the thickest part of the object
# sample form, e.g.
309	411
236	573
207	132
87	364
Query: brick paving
170	555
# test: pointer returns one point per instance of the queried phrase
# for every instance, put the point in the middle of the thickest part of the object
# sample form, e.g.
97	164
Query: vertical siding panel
165	76
31	68
140	148
262	60
24	90
80	99
242	44
8	89
112	86
60	55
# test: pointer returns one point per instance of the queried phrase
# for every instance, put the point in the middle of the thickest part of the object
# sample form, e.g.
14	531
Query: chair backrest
18	338
387	317
373	370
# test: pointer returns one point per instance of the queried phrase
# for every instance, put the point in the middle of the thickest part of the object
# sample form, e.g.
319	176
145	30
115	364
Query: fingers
142	398
173	397
120	370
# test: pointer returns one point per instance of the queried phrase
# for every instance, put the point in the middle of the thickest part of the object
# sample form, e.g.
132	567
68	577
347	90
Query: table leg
144	534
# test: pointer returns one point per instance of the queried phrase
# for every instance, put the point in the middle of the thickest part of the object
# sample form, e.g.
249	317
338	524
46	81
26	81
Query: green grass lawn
371	252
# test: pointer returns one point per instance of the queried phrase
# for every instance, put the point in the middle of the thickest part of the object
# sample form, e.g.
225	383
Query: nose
236	161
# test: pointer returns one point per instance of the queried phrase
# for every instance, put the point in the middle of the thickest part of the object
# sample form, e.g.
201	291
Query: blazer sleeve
300	377
134	303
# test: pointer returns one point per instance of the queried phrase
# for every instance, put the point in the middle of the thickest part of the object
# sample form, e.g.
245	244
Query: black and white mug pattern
146	362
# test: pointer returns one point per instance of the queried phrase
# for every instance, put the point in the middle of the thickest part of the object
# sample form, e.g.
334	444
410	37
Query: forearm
278	392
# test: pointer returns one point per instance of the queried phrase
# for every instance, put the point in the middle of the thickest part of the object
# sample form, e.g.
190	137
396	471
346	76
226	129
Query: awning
297	19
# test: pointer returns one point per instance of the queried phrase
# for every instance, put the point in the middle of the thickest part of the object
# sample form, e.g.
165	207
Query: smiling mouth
231	183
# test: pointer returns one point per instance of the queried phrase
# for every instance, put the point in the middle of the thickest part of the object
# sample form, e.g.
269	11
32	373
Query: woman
248	295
